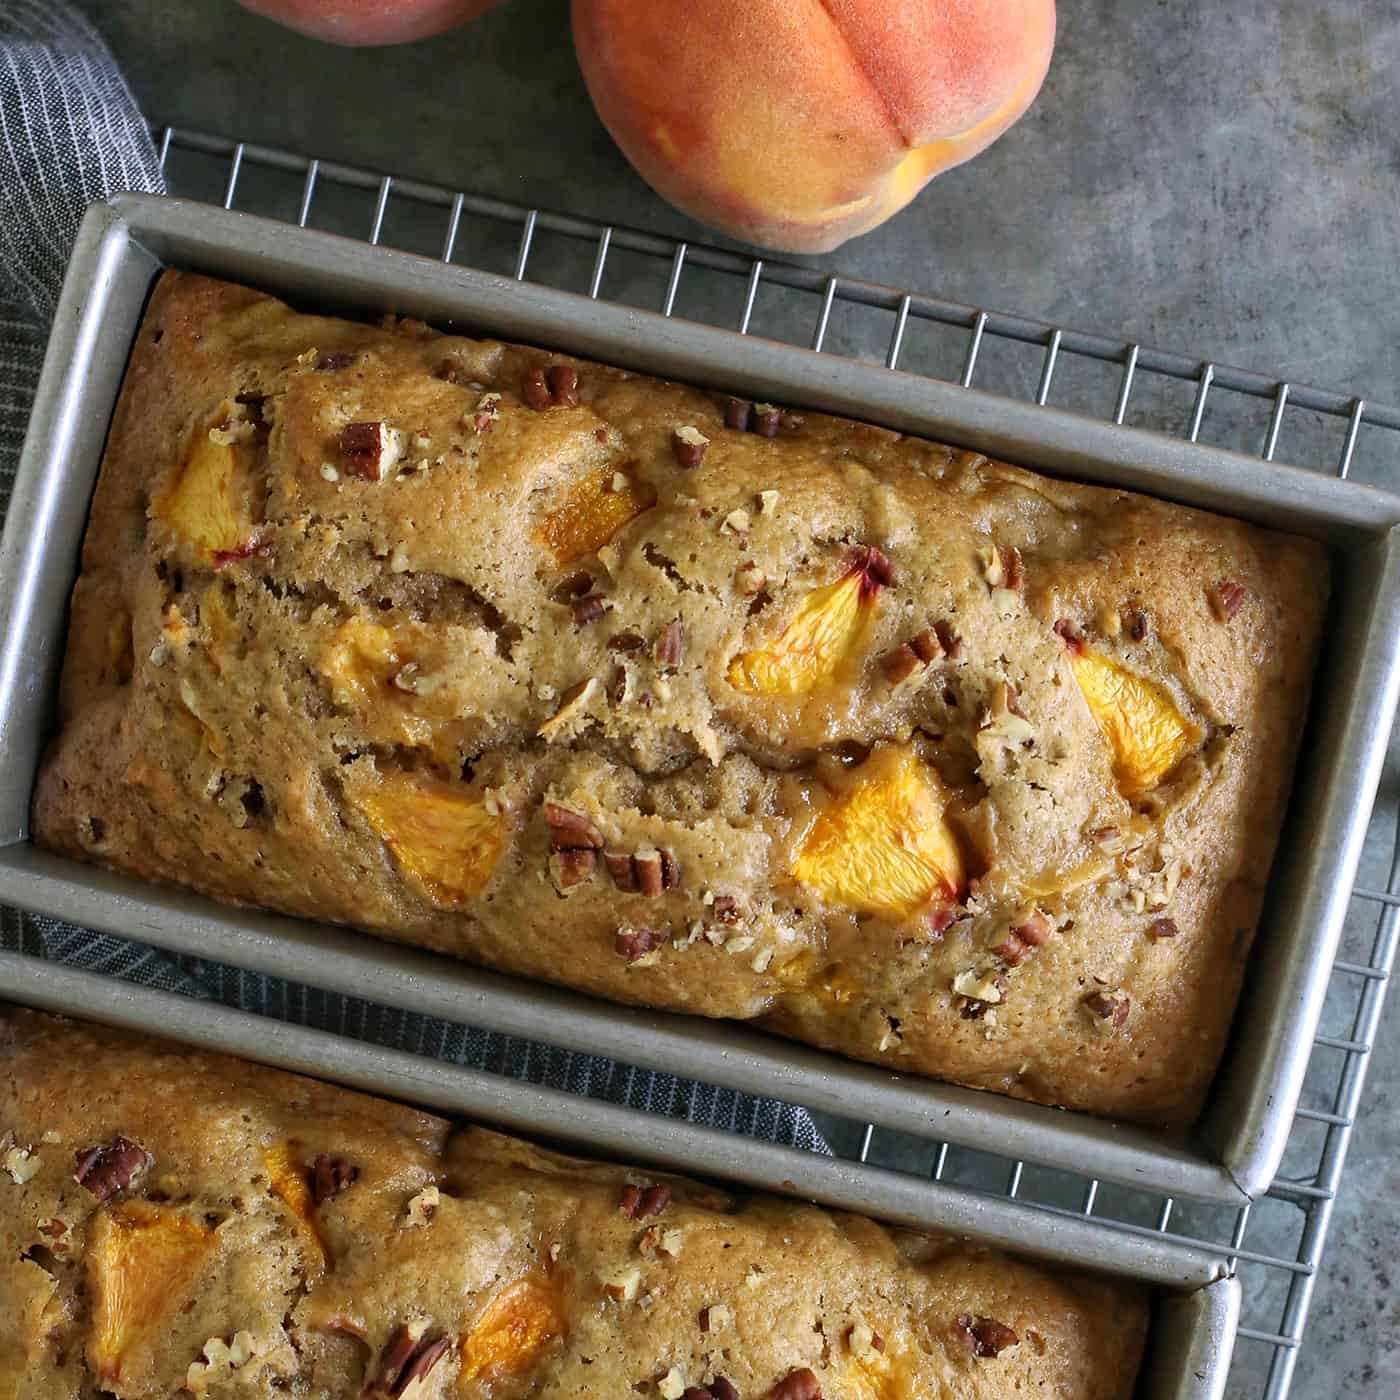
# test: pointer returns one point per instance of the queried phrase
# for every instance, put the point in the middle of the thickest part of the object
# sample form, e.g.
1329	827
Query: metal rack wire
1277	1243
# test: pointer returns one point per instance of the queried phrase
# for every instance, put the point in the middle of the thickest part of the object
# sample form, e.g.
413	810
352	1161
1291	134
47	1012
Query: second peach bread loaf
683	701
176	1222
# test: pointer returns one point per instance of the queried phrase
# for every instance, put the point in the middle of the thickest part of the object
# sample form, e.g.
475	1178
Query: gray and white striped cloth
71	133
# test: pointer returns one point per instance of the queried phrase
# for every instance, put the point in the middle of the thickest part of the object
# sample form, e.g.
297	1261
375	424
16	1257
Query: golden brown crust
210	1269
551	698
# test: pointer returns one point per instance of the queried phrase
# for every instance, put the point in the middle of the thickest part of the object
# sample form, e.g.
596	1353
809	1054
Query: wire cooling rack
1277	1243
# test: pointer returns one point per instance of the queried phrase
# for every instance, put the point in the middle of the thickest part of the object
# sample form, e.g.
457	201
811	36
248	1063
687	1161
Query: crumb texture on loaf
173	1221
683	700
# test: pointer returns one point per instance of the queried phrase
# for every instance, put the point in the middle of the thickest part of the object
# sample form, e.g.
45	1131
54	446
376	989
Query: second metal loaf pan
1195	1308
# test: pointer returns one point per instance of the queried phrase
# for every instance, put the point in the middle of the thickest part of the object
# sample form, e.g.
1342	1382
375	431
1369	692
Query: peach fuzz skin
369	22
797	124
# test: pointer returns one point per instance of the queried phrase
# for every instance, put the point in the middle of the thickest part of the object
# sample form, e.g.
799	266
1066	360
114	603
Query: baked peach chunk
361	661
290	1182
445	843
823	635
372	669
141	1263
221	627
1141	722
510	1335
591	513
209	504
885	846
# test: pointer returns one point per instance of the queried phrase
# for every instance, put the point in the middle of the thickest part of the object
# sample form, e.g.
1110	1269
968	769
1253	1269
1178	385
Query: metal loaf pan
1236	1150
1195	1312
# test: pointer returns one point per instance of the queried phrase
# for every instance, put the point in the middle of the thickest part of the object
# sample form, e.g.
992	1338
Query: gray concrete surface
1222	179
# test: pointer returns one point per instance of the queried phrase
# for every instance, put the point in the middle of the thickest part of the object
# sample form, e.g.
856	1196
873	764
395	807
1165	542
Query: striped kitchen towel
71	133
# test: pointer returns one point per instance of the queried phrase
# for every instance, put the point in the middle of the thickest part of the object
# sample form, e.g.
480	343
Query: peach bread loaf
173	1222
683	701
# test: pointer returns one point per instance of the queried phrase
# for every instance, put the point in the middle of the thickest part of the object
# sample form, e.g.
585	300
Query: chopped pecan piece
1226	599
535	391
1137	625
570	830
574	702
1024	938
1162	928
636	943
641	1203
984	985
749	579
926	645
1035	929
900	664
1072	636
622	1285
369	450
589	609
21	1164
947	638
406	1358
984	1336
1013	567
486	412
1012	952
767	420
1108	1008
670	869
670	645
334	360
574	867
649	872
106	1169
650	875
623	870
718	1389
726	909
913	655
738	413
688	446
563	385
619	685
330	1176
625	641
801	1384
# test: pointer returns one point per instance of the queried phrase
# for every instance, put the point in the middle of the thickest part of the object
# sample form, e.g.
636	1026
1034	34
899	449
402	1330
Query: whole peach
363	22
797	124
